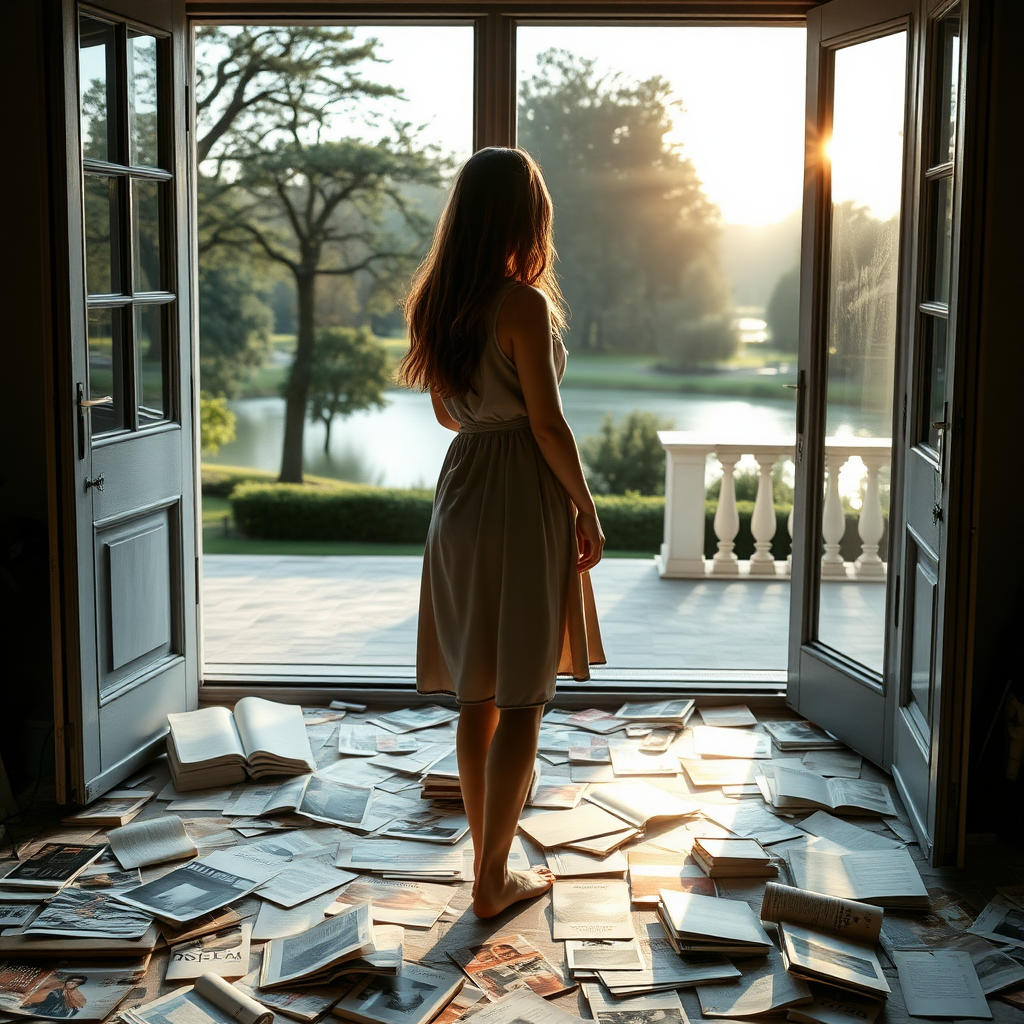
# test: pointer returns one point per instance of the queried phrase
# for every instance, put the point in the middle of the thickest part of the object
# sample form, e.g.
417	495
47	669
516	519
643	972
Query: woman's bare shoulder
524	305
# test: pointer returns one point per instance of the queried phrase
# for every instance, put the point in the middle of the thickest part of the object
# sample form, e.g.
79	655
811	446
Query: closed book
710	923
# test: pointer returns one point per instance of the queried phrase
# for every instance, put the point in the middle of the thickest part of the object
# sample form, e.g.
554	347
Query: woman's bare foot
489	900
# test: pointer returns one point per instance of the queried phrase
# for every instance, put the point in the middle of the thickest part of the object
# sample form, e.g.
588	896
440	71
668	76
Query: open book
791	790
827	939
639	803
215	747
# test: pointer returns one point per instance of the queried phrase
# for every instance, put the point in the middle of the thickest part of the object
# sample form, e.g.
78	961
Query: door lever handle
92	403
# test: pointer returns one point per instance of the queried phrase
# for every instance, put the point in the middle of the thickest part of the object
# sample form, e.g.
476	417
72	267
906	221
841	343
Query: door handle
91	403
941	426
83	405
800	388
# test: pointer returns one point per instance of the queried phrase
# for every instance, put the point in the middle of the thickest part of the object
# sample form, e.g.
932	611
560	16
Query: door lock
97	483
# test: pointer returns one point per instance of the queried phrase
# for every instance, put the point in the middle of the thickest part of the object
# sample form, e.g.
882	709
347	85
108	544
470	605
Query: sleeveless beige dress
503	609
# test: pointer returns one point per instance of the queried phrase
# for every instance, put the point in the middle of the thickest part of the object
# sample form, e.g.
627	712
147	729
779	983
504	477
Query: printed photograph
81	912
49	993
506	963
640	1017
189	891
335	801
52	863
394	999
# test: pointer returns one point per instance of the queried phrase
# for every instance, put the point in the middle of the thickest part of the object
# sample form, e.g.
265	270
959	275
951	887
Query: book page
849	918
264	726
845	833
802	786
151	841
940	983
864	793
591	909
205	734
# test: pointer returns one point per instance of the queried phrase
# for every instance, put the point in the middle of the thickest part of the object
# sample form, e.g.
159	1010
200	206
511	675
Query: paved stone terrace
361	610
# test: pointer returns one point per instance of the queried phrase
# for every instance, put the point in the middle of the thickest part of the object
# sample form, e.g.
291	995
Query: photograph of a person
514	531
63	992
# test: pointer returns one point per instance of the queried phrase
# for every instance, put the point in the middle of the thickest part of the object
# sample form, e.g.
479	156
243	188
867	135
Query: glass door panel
865	154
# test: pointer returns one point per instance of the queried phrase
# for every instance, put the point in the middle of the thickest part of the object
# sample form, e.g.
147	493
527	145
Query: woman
505	602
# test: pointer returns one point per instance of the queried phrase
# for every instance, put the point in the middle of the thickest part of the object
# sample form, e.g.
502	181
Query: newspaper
402	857
273	922
848	918
299	883
628	759
104	877
328	944
508	962
152	841
412	904
211	1001
429	826
1002	921
765	987
222	953
663	1007
411	719
198	888
358	740
591	909
940	983
82	913
468	998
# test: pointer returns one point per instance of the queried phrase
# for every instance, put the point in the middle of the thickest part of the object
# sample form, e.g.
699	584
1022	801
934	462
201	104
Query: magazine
319	955
668	711
429	827
117	807
800	735
410	719
468	998
212	1000
509	962
273	922
215	747
303	881
50	867
1002	921
839	763
403	858
223	953
413	997
335	802
62	990
556	794
631	760
358	740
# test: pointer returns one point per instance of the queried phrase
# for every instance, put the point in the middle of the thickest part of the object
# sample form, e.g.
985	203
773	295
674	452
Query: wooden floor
956	897
361	610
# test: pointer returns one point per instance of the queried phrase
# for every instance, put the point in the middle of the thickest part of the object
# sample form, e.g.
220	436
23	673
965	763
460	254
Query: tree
627	456
235	324
783	310
637	238
216	423
284	189
350	372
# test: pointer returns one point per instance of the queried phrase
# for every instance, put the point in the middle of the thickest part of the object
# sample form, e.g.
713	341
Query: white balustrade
682	552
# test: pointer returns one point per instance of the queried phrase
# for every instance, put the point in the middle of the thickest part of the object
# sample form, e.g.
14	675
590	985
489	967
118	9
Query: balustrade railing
682	551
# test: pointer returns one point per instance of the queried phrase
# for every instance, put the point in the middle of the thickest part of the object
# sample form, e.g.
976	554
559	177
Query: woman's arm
444	417
524	325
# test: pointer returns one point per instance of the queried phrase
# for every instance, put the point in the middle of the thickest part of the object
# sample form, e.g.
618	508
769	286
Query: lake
403	445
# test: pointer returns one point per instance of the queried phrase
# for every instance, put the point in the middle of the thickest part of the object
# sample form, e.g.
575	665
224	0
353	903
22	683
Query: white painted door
130	331
860	117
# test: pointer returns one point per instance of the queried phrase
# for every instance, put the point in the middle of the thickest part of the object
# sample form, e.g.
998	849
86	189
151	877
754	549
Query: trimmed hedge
356	512
220	481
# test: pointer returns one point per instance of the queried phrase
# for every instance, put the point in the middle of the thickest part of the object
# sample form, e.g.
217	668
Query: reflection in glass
150	363
96	83
943	237
106	370
945	135
146	231
102	271
866	155
142	99
935	375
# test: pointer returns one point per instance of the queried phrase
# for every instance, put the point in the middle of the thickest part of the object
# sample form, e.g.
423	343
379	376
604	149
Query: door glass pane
943	237
142	99
146	231
96	83
866	155
150	363
102	270
945	136
106	370
935	376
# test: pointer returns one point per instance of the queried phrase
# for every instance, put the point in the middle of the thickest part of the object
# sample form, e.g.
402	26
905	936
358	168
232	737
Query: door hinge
896	604
799	451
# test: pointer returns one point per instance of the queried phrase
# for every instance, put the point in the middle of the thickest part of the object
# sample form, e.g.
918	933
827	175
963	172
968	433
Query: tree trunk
327	433
297	392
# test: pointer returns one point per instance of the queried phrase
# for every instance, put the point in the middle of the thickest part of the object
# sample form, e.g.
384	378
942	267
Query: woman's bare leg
509	770
477	723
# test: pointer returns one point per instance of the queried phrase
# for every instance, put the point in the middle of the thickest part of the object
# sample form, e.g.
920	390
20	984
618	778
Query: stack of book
441	782
665	713
737	858
709	924
212	747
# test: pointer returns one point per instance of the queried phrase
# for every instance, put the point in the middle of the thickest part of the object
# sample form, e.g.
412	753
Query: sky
742	92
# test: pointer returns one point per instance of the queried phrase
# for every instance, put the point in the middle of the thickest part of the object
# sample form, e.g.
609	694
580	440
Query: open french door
876	374
129	583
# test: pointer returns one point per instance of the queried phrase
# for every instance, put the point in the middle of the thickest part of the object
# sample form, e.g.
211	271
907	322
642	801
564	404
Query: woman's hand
589	539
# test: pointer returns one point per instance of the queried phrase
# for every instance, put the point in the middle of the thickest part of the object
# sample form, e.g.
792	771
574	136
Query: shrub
220	481
631	522
627	456
216	423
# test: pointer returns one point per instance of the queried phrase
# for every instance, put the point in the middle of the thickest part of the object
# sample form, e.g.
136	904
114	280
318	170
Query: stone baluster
872	523
833	524
727	519
762	522
682	552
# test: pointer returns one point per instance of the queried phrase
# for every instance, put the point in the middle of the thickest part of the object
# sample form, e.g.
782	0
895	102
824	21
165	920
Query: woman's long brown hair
496	225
